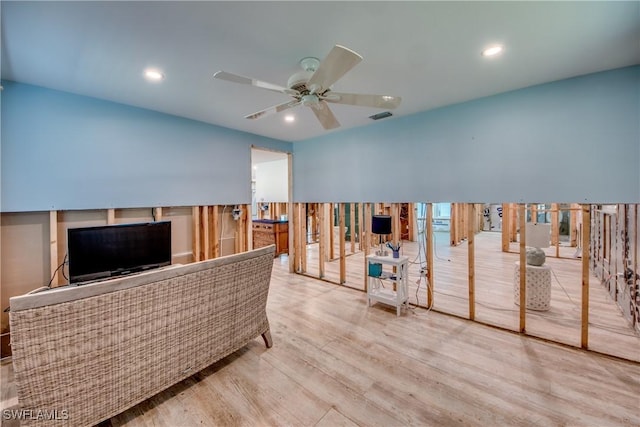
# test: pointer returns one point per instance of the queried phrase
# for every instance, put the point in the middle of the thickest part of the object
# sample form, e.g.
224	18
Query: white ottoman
538	287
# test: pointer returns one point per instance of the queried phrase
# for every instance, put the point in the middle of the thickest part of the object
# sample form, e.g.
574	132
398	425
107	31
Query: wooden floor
609	331
337	362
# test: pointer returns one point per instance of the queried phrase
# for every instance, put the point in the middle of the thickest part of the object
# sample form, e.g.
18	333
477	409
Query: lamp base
382	252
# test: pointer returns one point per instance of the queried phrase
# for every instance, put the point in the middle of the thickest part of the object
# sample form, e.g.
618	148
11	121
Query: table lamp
381	225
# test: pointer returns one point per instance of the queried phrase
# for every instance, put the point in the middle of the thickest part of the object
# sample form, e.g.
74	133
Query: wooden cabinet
269	232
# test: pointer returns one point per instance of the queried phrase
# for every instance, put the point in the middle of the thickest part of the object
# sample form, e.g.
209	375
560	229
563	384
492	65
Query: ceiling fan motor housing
298	81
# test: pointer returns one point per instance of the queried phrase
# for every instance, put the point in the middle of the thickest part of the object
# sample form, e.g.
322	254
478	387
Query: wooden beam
111	216
573	224
506	235
54	262
411	221
365	237
303	237
554	224
290	226
322	237
395	223
636	234
513	223
343	259
331	218
246	217
216	228
206	242
463	222
352	226
471	215
523	267
195	233
586	235
296	237
238	233
360	226
430	271
452	226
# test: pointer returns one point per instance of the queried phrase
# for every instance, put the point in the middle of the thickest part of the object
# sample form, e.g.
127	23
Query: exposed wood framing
523	267
360	226
331	218
411	220
506	215
573	224
195	217
471	215
53	247
292	230
458	224
513	222
290	225
343	260
453	225
429	238
462	210
296	237
206	240
352	226
111	216
157	214
322	239
303	237
215	236
586	233
246	226
395	223
365	236
554	224
534	213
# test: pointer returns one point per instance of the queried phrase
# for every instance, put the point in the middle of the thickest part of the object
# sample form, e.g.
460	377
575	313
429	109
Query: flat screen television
115	250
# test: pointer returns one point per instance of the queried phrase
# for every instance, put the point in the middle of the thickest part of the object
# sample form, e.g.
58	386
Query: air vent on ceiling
381	115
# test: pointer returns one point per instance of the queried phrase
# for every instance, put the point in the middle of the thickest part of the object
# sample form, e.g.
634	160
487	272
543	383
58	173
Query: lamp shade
381	224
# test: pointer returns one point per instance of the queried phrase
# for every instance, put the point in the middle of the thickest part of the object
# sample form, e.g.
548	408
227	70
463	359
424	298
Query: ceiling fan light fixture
492	51
153	75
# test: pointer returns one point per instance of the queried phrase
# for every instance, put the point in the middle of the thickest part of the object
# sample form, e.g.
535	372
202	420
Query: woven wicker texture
97	356
538	291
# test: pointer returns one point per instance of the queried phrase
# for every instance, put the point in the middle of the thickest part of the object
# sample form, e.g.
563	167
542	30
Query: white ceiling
426	52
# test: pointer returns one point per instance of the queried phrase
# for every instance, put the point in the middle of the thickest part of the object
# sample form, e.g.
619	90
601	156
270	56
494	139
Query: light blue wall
575	140
63	151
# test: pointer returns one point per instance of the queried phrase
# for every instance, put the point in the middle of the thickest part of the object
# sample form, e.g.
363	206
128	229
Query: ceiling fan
311	87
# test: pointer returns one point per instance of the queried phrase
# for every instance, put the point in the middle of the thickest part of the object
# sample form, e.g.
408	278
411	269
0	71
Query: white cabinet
387	284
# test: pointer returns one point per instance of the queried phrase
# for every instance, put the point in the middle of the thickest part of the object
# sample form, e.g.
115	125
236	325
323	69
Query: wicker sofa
82	354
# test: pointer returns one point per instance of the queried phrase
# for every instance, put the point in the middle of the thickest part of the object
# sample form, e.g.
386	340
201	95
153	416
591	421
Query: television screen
114	250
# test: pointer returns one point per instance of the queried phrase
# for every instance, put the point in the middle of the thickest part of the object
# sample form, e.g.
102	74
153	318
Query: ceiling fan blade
325	115
274	109
339	60
376	101
235	78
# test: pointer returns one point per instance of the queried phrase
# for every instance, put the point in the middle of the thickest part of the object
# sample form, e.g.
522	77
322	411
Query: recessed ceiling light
492	51
153	75
289	118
